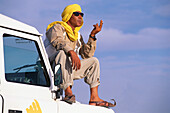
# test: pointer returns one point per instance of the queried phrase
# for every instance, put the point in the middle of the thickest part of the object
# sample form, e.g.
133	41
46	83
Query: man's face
76	20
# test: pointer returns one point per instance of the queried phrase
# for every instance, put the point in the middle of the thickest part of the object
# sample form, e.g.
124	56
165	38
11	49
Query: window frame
46	75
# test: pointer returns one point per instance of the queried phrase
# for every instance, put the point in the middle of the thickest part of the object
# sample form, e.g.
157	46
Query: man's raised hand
97	28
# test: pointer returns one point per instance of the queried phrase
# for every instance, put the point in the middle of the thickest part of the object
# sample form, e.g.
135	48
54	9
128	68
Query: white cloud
148	38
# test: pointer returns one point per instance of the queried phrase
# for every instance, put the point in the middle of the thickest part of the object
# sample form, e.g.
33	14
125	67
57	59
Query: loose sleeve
56	37
87	50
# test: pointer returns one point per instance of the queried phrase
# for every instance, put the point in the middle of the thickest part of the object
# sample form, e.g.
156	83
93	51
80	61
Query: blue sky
133	47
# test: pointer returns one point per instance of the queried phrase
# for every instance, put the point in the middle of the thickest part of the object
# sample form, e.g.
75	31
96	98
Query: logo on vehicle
34	108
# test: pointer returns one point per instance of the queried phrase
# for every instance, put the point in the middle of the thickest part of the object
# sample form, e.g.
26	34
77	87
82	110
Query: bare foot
95	100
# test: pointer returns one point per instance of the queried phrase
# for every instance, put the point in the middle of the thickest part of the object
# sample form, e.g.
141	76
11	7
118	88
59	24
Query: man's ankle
95	98
68	91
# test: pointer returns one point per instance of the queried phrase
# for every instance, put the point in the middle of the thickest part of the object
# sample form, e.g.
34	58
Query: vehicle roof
13	24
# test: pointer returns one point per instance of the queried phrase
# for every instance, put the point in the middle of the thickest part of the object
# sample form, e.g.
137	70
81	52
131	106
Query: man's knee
60	57
95	60
61	53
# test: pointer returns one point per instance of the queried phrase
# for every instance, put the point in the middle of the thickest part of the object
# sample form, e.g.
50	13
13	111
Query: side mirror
57	75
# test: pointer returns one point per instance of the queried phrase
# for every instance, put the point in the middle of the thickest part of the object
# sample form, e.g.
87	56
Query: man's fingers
76	64
101	23
79	65
96	25
73	64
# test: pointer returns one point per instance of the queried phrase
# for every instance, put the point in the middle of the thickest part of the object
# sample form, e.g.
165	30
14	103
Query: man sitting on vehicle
68	44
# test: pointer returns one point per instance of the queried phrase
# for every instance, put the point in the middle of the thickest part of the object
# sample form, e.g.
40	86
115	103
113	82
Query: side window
23	62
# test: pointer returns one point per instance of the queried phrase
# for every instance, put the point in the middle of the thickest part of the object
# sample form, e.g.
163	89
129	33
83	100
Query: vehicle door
25	83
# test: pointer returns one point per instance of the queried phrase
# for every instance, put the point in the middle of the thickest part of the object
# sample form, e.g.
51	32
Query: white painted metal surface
17	25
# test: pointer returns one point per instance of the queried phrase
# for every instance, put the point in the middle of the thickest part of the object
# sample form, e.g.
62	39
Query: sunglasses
77	14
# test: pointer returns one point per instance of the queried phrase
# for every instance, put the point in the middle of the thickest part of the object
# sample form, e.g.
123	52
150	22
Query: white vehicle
27	82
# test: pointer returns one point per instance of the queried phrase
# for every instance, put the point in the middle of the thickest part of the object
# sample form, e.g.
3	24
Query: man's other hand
97	28
76	64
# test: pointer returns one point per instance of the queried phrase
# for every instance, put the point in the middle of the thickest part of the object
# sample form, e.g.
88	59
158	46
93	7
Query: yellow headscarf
66	15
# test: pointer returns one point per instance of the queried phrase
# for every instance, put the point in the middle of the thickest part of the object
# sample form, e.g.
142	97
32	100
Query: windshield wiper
25	66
